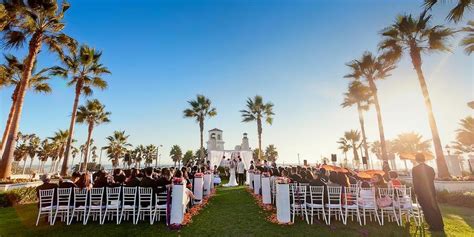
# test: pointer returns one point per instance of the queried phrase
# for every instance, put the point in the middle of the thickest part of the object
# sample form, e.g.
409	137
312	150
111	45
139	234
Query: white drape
215	157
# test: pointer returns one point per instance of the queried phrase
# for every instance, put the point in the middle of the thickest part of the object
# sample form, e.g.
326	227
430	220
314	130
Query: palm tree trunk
259	131
24	166
31	163
10	117
64	167
89	135
443	171
364	137
201	148
383	145
7	156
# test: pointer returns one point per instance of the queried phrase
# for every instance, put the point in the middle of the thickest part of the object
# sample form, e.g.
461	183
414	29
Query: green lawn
231	212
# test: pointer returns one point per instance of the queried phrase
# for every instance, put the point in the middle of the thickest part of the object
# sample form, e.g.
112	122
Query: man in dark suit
423	185
46	185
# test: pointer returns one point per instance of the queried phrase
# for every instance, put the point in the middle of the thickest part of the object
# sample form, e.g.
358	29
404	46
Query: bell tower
215	142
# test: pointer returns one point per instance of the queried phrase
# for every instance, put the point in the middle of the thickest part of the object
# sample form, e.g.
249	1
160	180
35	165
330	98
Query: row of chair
111	202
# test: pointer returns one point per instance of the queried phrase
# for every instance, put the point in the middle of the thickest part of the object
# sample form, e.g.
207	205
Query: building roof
215	129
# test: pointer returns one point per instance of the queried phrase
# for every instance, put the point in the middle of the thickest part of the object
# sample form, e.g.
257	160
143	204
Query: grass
232	212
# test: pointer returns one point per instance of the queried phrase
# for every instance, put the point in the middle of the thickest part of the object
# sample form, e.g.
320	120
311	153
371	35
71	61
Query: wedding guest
84	181
133	180
295	176
69	183
252	166
394	181
323	174
342	179
240	172
333	179
164	180
378	181
119	176
101	180
148	181
189	193
423	185
46	184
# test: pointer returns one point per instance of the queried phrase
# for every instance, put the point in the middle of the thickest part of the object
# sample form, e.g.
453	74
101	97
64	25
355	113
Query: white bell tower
216	142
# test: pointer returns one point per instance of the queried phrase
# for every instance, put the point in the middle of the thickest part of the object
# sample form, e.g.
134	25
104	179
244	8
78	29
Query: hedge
18	196
463	199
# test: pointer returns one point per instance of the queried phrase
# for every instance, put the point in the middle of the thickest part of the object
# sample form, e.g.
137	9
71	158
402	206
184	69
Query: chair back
317	194
298	194
95	196
162	198
386	192
145	196
113	195
367	197
46	197
334	194
80	196
354	186
404	197
129	195
63	196
350	195
303	184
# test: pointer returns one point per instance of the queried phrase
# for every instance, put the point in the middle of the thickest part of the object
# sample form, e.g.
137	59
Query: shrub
463	199
18	196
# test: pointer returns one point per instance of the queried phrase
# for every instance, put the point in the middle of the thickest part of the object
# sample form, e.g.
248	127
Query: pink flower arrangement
256	171
266	174
198	175
178	181
282	180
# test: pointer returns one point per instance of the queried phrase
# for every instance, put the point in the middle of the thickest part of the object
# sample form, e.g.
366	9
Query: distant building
216	142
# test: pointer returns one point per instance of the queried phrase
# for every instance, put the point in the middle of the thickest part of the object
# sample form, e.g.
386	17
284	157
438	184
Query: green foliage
188	156
18	196
462	199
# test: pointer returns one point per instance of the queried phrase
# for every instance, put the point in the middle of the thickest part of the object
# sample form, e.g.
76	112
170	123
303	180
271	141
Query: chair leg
39	215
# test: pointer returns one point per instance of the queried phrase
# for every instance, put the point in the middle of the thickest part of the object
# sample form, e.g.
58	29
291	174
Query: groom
241	171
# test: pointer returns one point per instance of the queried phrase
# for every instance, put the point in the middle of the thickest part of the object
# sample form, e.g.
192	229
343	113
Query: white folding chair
298	204
334	205
63	204
161	200
79	208
46	206
406	206
388	210
368	204
95	204
129	203
353	186
112	204
145	206
350	204
316	204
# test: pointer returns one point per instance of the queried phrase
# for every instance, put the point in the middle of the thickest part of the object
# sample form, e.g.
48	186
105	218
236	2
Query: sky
291	52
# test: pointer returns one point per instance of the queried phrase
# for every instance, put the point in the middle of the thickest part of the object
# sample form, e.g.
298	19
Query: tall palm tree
256	111
271	153
92	114
74	152
344	146
13	70
457	13
85	71
188	157
38	22
468	40
416	36
44	153
200	109
465	136
410	143
353	137
373	68
176	154
59	139
117	146
138	155
151	154
360	95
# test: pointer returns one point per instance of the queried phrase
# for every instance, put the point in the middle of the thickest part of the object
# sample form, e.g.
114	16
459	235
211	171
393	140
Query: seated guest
394	181
119	176
366	195
294	176
316	180
133	180
100	180
164	180
84	181
186	177
46	184
342	179
69	183
323	174
333	179
189	193
148	181
378	181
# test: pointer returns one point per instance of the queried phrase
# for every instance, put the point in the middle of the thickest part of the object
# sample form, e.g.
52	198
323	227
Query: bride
232	179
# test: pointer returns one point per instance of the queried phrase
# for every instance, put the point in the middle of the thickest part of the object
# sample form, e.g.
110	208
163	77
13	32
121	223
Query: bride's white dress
232	179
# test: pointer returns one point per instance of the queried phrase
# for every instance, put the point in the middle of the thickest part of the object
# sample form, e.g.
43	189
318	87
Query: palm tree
176	154
416	36
199	110
188	157
256	152
151	152
59	140
373	68
44	153
344	146
85	71
13	70
256	111
360	95
74	152
465	136
138	155
271	153
353	137
93	114
117	146
38	22
457	12
33	148
468	40
410	143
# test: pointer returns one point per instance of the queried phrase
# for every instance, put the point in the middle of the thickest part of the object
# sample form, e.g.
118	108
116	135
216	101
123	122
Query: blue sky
163	53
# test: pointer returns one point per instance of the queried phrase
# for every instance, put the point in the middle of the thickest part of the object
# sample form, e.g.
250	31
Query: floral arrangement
282	180
193	211
266	174
251	171
207	172
256	171
198	175
271	210
178	181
